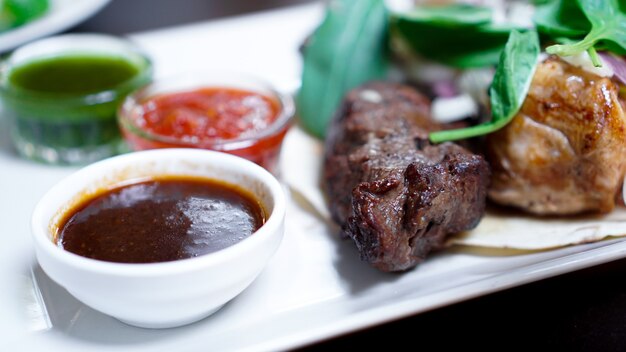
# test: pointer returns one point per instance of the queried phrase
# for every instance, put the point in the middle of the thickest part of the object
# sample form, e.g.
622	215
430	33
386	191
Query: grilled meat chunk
396	195
564	151
375	111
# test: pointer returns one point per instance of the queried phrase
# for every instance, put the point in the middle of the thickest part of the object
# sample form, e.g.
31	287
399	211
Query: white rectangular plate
314	288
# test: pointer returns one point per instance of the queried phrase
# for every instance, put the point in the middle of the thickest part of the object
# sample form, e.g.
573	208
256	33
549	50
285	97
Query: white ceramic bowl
167	294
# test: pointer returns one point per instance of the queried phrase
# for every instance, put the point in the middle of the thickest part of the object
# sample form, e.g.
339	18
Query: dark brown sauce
160	220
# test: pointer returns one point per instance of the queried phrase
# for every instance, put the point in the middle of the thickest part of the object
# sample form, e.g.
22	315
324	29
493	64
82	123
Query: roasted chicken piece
565	151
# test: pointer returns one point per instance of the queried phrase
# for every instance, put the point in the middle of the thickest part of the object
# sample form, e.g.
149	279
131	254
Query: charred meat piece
375	111
396	195
564	151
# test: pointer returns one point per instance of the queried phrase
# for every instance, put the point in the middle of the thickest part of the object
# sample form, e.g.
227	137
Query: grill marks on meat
563	153
396	195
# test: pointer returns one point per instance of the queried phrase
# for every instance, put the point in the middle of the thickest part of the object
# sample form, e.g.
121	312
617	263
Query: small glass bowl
263	147
62	127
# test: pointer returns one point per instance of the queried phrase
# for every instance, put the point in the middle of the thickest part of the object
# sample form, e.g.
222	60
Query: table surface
584	310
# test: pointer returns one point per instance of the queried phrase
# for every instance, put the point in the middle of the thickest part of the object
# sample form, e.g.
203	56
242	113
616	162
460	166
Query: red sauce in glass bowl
237	121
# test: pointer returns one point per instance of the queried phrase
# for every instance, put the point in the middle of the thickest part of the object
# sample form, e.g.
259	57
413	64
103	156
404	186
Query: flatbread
301	169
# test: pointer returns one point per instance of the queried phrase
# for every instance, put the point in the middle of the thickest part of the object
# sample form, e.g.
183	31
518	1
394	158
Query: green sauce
56	107
75	74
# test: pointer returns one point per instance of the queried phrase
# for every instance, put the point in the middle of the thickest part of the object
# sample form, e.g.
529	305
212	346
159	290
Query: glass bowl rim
281	123
142	77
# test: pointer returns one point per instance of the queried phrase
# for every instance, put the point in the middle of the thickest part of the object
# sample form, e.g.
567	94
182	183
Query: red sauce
209	118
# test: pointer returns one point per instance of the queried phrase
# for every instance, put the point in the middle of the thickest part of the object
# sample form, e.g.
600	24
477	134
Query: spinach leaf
509	87
608	25
561	18
346	50
452	15
456	35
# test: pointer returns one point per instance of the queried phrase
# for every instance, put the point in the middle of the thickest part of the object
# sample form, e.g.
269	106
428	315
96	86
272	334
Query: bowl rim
40	225
132	102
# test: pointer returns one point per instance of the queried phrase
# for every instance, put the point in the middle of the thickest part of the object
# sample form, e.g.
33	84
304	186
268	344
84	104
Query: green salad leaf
561	18
608	26
346	50
14	13
509	87
461	36
451	15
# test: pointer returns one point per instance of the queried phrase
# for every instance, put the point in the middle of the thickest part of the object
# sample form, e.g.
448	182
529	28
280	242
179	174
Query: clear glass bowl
262	147
63	127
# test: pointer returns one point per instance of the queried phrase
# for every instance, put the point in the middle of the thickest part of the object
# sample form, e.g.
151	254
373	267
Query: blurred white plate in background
62	15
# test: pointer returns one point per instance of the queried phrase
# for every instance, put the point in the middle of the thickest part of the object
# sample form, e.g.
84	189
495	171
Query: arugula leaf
608	24
561	18
456	35
346	50
509	87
